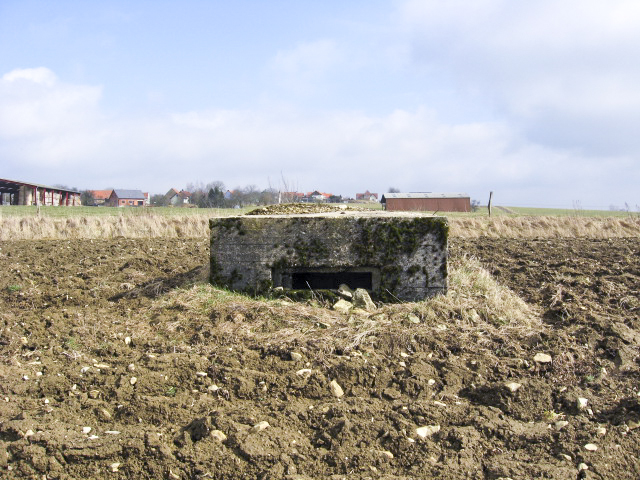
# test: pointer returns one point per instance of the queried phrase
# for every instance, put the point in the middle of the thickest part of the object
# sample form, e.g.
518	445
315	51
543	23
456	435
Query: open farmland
118	360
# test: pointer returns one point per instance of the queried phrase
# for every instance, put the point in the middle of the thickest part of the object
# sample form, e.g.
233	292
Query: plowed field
107	371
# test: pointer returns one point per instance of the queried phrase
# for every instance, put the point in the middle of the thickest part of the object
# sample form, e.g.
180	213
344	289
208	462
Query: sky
536	101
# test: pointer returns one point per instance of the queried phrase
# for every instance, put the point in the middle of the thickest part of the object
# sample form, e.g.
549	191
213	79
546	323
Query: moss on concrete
406	253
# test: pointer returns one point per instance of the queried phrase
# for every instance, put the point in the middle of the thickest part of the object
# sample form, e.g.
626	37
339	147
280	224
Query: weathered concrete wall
402	256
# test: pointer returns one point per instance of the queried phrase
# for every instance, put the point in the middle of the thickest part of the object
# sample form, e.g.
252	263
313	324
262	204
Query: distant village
212	198
214	195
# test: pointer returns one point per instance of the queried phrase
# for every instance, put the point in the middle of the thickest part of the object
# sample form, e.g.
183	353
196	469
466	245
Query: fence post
490	199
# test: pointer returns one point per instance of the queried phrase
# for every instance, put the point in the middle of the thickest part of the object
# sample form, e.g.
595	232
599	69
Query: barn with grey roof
127	198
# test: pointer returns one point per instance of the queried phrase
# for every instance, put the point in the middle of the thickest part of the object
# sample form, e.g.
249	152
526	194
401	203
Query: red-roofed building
316	196
176	197
100	197
367	196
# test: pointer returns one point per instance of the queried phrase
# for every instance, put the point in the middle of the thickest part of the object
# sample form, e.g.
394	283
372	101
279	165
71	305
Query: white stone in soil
104	414
345	291
387	454
218	435
336	389
295	356
582	402
427	430
592	447
542	358
342	306
513	387
362	299
258	427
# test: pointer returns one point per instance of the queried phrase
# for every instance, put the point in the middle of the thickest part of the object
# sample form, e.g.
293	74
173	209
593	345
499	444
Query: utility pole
490	199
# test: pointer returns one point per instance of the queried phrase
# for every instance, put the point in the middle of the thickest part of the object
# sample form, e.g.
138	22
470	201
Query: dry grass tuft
197	225
476	310
476	300
544	227
32	228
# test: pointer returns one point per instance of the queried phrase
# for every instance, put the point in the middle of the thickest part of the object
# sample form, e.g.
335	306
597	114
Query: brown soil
68	307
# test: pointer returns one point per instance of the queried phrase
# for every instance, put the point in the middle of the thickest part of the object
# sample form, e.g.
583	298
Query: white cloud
39	75
57	133
35	104
560	70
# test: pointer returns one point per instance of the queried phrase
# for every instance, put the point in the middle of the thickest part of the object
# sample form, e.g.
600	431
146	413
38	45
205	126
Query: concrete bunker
396	257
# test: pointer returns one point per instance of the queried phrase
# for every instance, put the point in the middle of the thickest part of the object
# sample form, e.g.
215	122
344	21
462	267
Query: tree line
216	195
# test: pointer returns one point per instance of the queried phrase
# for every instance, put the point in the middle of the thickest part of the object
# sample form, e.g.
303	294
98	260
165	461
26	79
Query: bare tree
286	190
86	198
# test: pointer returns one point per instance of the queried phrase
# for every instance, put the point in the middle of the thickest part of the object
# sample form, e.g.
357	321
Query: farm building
316	196
367	196
100	197
14	192
176	197
426	202
127	198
